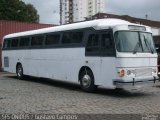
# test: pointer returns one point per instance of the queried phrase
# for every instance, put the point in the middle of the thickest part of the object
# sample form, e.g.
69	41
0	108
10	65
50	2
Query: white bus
108	52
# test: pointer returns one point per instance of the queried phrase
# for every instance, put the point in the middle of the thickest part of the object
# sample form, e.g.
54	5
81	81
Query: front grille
143	72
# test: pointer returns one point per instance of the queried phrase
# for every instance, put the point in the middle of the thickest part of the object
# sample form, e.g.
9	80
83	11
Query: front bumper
137	83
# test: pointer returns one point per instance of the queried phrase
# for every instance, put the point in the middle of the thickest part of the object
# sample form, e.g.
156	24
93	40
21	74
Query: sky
49	9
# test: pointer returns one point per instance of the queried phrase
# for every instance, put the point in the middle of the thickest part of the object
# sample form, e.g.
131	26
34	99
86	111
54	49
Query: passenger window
77	37
93	43
100	43
52	39
72	37
8	43
14	43
5	43
66	39
24	42
37	41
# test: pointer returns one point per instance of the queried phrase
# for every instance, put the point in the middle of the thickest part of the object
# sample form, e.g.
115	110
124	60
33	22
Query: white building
78	10
155	31
66	11
95	6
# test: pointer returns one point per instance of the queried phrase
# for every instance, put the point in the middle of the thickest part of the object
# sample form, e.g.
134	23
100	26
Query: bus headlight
154	71
130	72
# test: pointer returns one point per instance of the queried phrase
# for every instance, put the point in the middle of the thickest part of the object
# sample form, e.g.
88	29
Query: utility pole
146	16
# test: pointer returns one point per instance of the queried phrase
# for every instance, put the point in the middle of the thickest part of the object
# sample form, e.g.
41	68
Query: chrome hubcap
86	81
19	71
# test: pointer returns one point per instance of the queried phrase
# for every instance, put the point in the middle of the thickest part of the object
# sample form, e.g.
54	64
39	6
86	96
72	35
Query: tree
18	10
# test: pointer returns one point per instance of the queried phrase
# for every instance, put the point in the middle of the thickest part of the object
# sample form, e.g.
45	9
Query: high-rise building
66	11
95	6
79	10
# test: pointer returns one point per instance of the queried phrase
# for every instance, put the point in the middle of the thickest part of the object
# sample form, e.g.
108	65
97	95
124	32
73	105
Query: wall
156	31
0	57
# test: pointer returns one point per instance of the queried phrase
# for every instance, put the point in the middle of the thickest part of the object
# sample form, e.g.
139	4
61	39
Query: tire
19	71
87	81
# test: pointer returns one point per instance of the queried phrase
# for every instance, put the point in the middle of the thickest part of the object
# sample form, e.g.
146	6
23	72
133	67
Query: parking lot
37	95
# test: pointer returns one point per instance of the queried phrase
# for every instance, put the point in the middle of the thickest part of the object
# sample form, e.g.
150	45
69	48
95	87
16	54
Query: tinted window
93	43
5	44
77	37
8	43
100	43
14	43
106	41
37	41
107	44
52	39
24	42
72	37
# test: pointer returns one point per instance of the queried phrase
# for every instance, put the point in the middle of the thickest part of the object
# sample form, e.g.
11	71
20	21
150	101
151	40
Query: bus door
107	58
93	54
100	55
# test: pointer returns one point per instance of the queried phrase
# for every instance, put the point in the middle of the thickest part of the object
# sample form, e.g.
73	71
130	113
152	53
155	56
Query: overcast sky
49	9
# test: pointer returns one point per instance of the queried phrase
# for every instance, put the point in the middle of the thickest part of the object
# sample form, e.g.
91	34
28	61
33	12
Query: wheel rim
19	71
86	81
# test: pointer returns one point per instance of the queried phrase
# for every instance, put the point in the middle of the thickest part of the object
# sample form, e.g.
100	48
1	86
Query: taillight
121	73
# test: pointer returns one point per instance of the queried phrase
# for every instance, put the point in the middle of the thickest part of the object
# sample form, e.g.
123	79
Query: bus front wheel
87	81
19	71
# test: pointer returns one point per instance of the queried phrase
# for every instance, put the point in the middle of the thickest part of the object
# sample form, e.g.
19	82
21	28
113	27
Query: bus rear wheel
19	71
87	81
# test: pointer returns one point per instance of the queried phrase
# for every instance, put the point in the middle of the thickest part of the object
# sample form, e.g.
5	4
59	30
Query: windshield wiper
136	47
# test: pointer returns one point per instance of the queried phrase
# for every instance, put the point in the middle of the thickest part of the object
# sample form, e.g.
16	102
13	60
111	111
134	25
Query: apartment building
79	10
95	6
66	11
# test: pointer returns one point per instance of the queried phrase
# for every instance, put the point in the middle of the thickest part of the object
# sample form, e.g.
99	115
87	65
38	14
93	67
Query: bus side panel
9	62
93	62
103	69
108	71
14	57
60	64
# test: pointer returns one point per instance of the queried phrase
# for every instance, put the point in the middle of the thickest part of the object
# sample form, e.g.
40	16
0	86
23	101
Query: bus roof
96	24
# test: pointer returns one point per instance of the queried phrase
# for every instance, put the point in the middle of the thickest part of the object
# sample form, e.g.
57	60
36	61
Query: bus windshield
132	41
